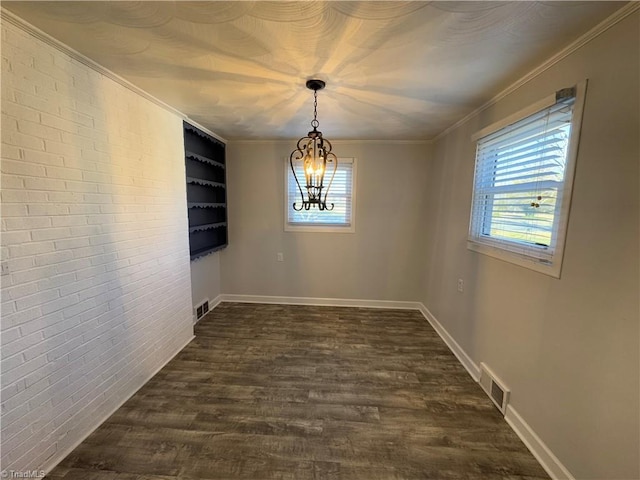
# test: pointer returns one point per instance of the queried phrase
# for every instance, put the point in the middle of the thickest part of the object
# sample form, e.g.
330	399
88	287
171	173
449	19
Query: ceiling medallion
312	157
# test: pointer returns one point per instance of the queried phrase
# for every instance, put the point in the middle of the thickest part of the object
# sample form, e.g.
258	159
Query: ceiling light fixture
313	157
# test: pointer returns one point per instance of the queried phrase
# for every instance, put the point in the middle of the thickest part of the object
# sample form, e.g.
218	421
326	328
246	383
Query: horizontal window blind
518	185
340	194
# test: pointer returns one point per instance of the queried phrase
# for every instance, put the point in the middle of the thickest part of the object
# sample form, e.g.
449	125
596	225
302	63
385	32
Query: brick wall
96	292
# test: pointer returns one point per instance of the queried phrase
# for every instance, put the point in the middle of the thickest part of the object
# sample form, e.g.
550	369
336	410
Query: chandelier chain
314	122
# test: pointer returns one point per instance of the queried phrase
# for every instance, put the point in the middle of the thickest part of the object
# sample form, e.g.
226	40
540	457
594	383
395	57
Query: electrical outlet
280	257
460	285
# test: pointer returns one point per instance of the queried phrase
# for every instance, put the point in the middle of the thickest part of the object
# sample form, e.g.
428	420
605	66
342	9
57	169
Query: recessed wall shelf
205	164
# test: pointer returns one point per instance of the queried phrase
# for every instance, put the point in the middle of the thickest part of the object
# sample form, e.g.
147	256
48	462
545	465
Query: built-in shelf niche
205	164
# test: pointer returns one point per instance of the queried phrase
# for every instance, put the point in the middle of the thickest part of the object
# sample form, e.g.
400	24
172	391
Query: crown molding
13	19
289	141
602	27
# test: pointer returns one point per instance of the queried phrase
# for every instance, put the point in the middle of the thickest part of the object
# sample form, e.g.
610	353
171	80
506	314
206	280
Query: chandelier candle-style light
313	154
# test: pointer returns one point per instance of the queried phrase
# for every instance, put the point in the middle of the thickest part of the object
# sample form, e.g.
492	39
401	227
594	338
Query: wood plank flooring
301	392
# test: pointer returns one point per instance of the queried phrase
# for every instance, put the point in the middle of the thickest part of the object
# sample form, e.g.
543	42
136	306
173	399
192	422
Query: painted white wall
568	348
205	278
378	261
94	234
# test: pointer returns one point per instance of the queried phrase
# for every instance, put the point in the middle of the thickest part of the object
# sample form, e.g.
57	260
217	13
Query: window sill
320	228
552	270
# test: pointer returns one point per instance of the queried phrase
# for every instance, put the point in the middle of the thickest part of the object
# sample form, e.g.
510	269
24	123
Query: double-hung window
341	194
523	180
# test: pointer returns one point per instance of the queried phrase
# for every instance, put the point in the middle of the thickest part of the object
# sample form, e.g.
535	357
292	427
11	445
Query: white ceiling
394	70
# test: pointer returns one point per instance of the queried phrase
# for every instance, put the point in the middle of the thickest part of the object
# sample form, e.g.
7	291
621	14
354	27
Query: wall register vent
495	389
202	309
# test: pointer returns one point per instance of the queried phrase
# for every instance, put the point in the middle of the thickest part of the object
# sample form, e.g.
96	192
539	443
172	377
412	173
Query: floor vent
493	386
202	309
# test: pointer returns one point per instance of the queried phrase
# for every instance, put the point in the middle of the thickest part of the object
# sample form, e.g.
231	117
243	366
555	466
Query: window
341	194
523	179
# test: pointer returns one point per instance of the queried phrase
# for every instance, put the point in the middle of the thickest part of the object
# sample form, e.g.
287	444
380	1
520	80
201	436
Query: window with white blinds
341	194
522	184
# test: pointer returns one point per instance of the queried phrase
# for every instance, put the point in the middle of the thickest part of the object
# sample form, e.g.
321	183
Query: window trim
491	247
320	228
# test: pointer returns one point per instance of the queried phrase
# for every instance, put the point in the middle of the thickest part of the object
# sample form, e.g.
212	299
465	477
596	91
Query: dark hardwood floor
300	392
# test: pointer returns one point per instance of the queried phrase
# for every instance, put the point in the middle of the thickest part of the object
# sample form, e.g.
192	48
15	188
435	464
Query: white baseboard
457	350
536	446
54	461
215	302
330	302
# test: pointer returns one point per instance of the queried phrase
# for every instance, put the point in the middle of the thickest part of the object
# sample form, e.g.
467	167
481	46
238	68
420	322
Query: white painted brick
101	219
73	265
21	140
48	209
58	304
81	187
65	197
97	177
7	365
88	251
16	437
44	158
57	327
12	238
14	371
35	300
14	415
90	272
58	123
86	230
17	265
9	335
21	344
57	281
19	291
69	243
60	148
11	152
28	249
50	234
28	74
9	210
14	110
84	209
68	220
64	349
22	168
13	319
39	130
44	387
64	173
77	117
44	184
33	274
42	323
82	141
53	258
79	308
9	126
11	182
93	187
27	223
96	198
101	159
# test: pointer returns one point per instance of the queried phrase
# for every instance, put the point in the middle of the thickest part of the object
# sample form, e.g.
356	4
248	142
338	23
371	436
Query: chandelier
313	157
